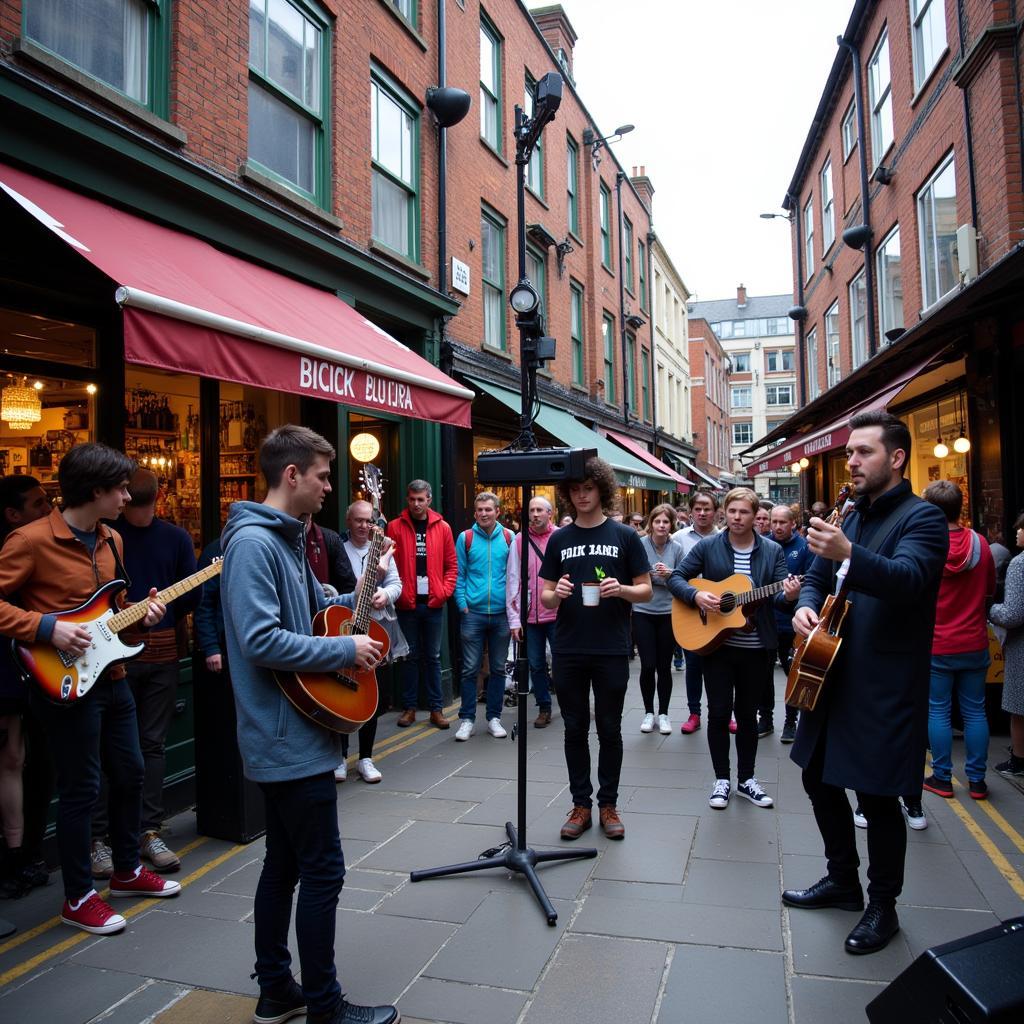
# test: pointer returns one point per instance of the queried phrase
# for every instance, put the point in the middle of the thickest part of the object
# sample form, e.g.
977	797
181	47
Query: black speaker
979	978
228	805
539	465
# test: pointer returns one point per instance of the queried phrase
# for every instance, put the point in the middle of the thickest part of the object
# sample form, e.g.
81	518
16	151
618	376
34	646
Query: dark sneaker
751	789
858	818
915	815
788	732
940	787
282	1006
1013	768
611	823
577	823
765	728
348	1013
719	798
978	789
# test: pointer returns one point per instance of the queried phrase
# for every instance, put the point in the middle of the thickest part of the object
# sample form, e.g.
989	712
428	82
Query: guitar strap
122	572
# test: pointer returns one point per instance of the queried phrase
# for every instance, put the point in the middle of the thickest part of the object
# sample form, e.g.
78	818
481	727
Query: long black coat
874	708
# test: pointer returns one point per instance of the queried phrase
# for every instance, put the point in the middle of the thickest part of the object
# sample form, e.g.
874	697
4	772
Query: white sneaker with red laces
92	915
145	883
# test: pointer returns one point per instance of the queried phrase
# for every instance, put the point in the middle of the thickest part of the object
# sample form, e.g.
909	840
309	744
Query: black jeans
734	680
694	681
654	643
367	737
766	704
609	676
38	783
786	638
100	728
303	846
887	833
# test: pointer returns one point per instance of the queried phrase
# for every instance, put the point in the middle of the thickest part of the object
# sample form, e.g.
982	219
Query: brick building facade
709	413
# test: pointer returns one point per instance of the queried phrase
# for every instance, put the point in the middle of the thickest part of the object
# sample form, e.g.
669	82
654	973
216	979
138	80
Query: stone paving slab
208	1006
654	850
838	1002
151	1000
68	992
456	1003
732	883
739	832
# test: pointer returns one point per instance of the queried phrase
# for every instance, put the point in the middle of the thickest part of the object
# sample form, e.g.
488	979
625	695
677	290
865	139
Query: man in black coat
869	730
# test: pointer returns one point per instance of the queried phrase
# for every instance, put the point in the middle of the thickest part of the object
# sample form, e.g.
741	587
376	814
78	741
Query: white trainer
753	791
647	725
341	772
664	725
495	728
465	729
367	770
720	794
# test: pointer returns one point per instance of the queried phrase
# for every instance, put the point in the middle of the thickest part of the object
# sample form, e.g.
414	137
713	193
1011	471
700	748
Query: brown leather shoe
543	719
438	720
407	717
611	823
577	823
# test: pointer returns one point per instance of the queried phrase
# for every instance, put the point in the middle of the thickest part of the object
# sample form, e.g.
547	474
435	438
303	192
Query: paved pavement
681	922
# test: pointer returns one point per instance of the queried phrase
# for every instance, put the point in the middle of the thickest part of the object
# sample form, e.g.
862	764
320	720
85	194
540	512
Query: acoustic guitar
814	655
702	631
344	700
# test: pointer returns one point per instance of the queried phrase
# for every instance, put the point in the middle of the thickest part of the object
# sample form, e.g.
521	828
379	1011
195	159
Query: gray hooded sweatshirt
269	597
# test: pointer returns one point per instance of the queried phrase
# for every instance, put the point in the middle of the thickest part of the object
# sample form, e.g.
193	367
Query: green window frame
306	101
576	331
645	383
608	335
143	80
627	251
490	84
535	168
572	159
492	258
395	166
631	369
641	263
606	231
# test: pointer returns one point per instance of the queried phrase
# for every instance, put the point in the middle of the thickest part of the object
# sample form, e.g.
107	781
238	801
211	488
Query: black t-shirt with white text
585	553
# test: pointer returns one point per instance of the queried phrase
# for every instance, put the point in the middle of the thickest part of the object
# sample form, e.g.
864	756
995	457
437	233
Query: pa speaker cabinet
538	465
978	979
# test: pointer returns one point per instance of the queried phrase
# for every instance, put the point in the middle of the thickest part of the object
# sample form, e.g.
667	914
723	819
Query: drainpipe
799	312
862	232
622	302
651	239
968	133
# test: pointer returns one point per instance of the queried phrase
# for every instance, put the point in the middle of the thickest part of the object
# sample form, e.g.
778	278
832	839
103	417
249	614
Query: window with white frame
880	99
849	129
740	397
778	394
809	238
936	219
490	84
811	343
928	24
743	433
407	9
778	359
859	320
888	269
288	90
828	213
394	146
740	362
776	325
832	343
492	244
535	168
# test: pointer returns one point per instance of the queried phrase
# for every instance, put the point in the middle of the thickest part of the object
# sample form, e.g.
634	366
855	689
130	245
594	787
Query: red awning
190	307
637	449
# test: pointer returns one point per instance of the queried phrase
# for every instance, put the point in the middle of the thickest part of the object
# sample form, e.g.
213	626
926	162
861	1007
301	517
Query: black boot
825	893
874	930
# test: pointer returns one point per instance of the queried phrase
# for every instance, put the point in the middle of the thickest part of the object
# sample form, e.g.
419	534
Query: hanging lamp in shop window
20	407
940	451
962	444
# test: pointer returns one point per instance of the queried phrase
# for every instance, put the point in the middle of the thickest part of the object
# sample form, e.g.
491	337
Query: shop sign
638	481
341	382
460	276
364	447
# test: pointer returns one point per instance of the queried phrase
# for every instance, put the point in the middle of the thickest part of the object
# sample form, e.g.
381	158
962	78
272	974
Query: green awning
567	429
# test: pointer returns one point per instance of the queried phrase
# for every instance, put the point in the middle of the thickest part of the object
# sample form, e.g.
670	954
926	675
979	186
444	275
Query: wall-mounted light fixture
590	139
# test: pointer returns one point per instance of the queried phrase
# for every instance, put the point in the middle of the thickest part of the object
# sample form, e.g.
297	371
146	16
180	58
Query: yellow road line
1002	865
400	740
1004	826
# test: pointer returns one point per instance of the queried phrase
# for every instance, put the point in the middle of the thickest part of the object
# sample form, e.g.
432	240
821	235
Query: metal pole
622	303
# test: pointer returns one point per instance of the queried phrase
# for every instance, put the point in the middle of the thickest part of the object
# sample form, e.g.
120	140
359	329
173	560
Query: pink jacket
535	586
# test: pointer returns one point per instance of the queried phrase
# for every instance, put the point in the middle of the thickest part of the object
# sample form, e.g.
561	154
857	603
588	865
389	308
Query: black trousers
887	832
609	676
654	643
734	681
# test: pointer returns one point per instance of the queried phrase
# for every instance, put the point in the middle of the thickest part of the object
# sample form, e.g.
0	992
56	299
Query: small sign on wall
460	276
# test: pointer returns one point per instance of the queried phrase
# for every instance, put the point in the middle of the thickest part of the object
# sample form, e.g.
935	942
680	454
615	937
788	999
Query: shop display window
53	341
928	424
372	447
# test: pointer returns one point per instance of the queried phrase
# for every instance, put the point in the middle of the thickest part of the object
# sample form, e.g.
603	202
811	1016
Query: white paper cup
591	594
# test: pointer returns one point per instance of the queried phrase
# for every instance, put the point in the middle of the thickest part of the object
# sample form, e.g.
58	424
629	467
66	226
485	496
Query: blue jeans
538	634
964	673
422	629
479	629
303	846
694	681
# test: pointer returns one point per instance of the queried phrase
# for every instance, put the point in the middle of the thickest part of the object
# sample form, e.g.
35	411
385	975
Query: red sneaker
146	883
692	724
93	916
732	725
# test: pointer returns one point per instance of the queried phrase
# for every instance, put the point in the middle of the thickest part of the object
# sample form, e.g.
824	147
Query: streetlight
590	139
781	216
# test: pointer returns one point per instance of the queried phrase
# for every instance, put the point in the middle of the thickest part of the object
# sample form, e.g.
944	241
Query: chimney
741	296
644	187
558	33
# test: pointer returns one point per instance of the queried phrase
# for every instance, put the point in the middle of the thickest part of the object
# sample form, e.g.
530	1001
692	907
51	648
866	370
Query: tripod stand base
523	861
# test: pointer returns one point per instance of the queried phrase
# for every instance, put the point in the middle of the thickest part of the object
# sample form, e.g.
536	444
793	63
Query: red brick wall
705	399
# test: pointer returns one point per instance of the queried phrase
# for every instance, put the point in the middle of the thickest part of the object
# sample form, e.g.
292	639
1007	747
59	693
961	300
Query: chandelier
20	406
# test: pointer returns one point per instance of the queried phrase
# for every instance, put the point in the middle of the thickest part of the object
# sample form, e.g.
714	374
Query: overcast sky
722	96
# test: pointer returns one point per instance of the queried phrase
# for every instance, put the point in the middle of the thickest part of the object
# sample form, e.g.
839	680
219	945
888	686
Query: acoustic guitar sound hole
727	604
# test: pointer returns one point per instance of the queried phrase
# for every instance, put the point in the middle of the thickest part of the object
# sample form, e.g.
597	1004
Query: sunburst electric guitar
344	700
66	679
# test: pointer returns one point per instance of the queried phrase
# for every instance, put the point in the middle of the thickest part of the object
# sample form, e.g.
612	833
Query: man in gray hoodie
269	597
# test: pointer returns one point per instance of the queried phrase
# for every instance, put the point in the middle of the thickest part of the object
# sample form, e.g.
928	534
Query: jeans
654	642
422	629
694	681
100	728
303	845
734	678
964	673
538	635
766	705
478	629
608	675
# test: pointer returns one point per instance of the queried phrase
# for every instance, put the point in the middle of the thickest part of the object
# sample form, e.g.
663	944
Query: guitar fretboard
137	612
760	593
364	602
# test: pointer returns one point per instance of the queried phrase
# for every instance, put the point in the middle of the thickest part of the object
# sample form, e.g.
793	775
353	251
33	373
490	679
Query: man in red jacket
425	559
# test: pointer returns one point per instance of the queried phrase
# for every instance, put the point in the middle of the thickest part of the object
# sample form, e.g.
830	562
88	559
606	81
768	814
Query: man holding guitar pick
269	597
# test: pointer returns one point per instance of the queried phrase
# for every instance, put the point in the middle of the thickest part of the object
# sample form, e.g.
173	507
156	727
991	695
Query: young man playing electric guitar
269	597
53	565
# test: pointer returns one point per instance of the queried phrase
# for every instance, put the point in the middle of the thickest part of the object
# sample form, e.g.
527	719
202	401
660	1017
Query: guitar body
814	655
66	680
341	701
702	631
